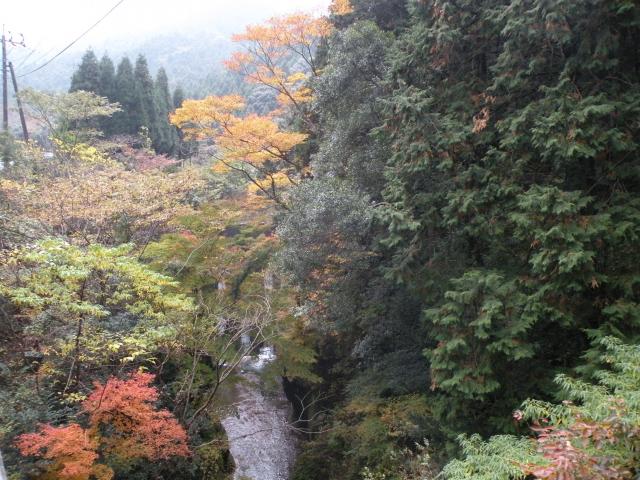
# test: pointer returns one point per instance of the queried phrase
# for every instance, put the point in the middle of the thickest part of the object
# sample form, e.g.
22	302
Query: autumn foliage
269	48
122	422
566	456
279	54
92	202
253	145
341	7
252	139
583	447
139	429
71	449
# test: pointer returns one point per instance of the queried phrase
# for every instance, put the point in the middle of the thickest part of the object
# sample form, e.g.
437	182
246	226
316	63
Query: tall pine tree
178	97
168	135
107	79
145	99
107	88
87	76
130	119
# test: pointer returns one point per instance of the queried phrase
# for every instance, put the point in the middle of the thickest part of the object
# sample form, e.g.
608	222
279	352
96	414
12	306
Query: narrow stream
3	473
262	445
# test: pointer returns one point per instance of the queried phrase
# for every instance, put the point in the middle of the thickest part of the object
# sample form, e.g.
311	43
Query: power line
24	59
72	43
39	58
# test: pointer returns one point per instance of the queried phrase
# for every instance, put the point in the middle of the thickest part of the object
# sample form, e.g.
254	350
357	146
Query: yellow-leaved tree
281	55
340	7
253	145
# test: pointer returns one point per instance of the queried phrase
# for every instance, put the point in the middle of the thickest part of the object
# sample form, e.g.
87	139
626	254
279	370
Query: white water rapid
261	442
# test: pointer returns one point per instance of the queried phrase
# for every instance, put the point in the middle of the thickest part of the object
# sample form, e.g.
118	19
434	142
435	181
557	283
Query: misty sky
47	24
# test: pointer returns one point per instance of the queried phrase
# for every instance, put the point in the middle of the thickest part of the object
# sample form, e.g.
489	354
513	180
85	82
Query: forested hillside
192	60
418	220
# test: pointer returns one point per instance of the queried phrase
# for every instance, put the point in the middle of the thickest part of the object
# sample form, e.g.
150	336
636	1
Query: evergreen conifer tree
107	83
168	135
511	196
178	97
87	76
107	88
145	99
162	90
129	120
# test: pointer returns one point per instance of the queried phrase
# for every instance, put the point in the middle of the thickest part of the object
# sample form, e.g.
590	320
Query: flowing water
261	442
3	473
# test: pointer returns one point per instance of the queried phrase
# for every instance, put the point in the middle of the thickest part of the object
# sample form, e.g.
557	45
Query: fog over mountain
189	38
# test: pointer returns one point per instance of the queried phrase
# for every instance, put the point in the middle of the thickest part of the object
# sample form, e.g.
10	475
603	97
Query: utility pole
5	88
5	101
25	133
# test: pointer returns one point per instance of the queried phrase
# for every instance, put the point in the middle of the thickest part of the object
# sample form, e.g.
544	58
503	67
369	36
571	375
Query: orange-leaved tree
252	145
123	422
281	55
72	451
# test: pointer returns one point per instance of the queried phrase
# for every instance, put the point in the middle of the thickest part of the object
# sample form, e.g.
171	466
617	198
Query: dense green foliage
475	200
144	103
512	191
89	76
167	135
595	437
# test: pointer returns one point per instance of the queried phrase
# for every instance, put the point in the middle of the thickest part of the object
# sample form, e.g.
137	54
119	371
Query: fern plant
593	434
